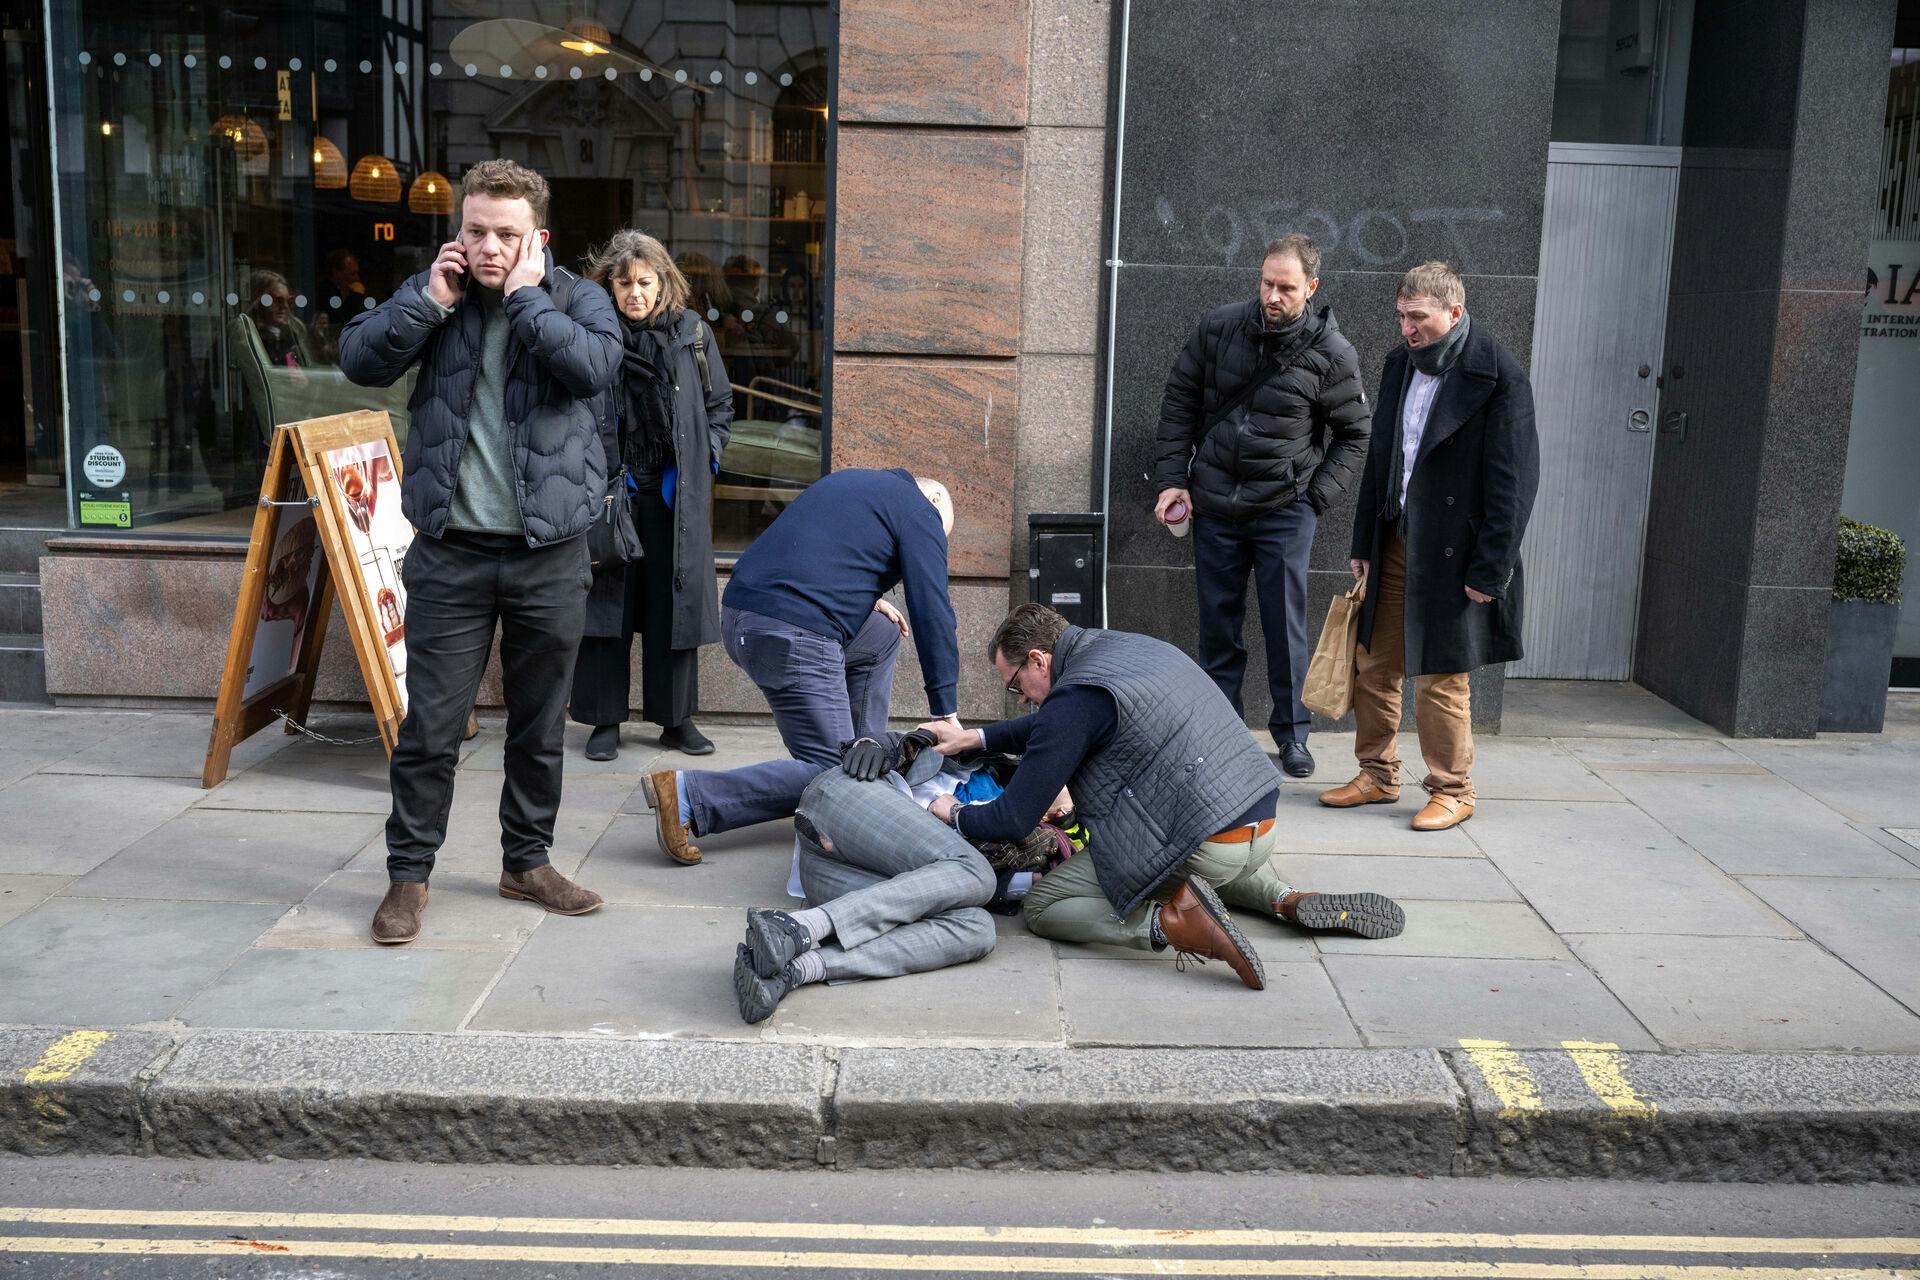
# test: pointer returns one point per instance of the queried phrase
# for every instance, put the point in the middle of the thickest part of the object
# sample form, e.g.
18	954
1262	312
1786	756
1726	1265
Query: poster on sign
367	489
287	605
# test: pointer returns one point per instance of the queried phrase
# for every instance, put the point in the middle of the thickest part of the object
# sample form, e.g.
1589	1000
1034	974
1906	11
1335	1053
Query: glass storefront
1621	74
1883	466
237	182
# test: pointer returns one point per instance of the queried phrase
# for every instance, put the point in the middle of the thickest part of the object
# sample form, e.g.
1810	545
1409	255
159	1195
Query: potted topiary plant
1862	619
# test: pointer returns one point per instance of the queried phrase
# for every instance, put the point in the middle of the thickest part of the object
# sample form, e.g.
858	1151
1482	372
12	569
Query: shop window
236	183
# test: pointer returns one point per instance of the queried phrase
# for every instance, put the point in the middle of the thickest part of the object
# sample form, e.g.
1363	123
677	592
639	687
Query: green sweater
485	496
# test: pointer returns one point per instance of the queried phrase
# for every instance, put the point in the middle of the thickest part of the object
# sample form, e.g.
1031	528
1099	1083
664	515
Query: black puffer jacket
558	365
1303	434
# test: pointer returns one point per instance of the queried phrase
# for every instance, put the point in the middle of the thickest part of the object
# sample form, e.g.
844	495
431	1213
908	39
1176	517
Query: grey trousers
821	695
904	891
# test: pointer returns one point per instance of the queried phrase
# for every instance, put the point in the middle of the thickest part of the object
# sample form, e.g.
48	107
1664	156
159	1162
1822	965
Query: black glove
866	760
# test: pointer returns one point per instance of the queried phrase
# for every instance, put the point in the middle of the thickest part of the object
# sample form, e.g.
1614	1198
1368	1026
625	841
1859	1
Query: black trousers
669	677
458	588
1275	547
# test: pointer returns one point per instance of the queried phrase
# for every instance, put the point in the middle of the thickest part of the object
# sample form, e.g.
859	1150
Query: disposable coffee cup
1178	519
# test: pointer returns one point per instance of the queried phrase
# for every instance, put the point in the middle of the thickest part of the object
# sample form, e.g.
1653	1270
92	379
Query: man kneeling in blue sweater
803	616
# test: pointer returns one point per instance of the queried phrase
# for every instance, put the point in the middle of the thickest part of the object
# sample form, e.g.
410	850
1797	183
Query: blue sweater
840	546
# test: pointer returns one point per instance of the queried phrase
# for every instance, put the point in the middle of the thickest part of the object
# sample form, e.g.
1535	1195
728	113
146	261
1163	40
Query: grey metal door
1598	329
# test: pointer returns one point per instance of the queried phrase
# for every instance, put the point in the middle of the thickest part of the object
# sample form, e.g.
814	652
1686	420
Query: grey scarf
1435	358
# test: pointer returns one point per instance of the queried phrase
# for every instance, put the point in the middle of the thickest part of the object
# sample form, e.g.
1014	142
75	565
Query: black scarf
646	387
1432	359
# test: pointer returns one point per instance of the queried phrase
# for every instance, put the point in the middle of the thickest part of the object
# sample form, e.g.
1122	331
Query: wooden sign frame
297	476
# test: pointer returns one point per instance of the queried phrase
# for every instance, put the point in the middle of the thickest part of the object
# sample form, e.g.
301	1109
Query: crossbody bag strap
1277	370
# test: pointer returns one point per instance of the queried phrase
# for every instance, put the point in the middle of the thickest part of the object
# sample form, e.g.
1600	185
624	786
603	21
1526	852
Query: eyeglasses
1013	685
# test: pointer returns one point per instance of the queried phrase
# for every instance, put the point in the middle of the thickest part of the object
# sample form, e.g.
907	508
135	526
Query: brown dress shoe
397	919
1195	923
1371	915
1442	812
1362	790
550	889
670	829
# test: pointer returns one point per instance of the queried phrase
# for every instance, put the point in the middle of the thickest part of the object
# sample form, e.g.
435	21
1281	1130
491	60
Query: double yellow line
260	1234
1601	1065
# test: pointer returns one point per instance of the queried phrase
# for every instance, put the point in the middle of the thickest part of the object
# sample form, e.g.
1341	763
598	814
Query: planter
1860	638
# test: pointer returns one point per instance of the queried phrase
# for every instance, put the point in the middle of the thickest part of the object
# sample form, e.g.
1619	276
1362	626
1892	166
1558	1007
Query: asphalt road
118	1219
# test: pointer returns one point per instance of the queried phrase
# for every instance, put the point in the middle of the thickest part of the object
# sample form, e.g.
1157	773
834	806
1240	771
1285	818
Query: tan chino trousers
1442	709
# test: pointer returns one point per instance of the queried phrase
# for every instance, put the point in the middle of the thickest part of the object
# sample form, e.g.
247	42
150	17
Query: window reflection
237	184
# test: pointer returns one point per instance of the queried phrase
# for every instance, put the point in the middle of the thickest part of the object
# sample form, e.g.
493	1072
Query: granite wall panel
927	241
954	421
1054	465
912	62
1782	661
1060	275
1068	71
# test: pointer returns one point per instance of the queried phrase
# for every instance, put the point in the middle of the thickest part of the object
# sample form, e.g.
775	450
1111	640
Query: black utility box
1064	564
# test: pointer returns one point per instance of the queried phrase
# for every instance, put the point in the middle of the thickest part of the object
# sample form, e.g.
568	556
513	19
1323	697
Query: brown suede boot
397	919
1194	922
550	889
670	825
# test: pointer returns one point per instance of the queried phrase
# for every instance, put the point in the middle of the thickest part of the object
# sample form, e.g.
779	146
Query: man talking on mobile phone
503	472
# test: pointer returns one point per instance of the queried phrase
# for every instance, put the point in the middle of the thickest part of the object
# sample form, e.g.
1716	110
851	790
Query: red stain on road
261	1245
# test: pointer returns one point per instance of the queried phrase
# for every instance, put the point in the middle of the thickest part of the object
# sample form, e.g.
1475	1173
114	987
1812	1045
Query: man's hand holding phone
447	281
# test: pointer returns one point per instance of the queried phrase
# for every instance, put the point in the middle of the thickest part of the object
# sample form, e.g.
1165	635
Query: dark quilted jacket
560	363
1303	434
1179	767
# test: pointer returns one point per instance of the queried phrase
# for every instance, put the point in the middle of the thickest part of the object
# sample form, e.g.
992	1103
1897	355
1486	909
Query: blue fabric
978	789
668	480
848	539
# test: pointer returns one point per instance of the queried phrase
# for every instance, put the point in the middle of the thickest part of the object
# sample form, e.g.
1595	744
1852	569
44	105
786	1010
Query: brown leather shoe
550	889
1362	790
1442	812
1371	915
473	727
397	919
1195	923
670	829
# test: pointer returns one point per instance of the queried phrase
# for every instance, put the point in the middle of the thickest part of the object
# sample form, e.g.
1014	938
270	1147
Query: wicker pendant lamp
375	180
329	166
430	193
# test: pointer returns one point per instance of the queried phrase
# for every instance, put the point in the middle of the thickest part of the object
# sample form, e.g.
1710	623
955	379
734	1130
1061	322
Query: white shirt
1414	411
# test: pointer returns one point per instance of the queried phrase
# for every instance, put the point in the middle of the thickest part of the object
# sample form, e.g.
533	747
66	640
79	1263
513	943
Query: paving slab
168	745
489	756
464	913
587	805
745	868
21	894
1592	868
1405	1000
1714	1117
624	971
315	1095
281	785
1007	995
1307	826
68	825
1852	774
1870	924
233	855
1466	930
15	765
1308	1111
1759	825
1747	994
1592	709
51	735
1468	879
1659	755
110	963
1532	769
1120	1002
401	990
74	1093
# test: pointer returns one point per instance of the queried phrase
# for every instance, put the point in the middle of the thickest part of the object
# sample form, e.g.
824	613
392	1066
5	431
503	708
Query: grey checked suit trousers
903	890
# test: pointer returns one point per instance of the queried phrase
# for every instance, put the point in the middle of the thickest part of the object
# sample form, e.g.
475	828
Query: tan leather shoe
1442	812
397	919
670	828
550	889
1362	790
1195	923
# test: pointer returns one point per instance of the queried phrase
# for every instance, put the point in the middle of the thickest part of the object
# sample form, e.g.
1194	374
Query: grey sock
807	967
817	923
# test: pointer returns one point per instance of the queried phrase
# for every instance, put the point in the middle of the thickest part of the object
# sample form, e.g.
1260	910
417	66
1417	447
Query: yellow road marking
1506	1075
65	1056
983	1263
1604	1068
1085	1237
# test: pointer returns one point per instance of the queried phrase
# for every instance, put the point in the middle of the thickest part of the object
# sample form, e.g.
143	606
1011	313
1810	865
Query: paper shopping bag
1329	688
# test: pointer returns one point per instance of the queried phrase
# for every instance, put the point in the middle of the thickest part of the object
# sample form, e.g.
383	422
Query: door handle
1640	420
1674	424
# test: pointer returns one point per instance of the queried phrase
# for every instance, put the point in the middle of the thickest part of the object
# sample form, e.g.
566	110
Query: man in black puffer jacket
1263	426
503	472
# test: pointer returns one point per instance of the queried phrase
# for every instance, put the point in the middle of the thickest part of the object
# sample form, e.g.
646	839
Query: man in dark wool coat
1444	502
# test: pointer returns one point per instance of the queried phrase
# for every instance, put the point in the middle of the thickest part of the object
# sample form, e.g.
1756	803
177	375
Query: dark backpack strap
700	358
